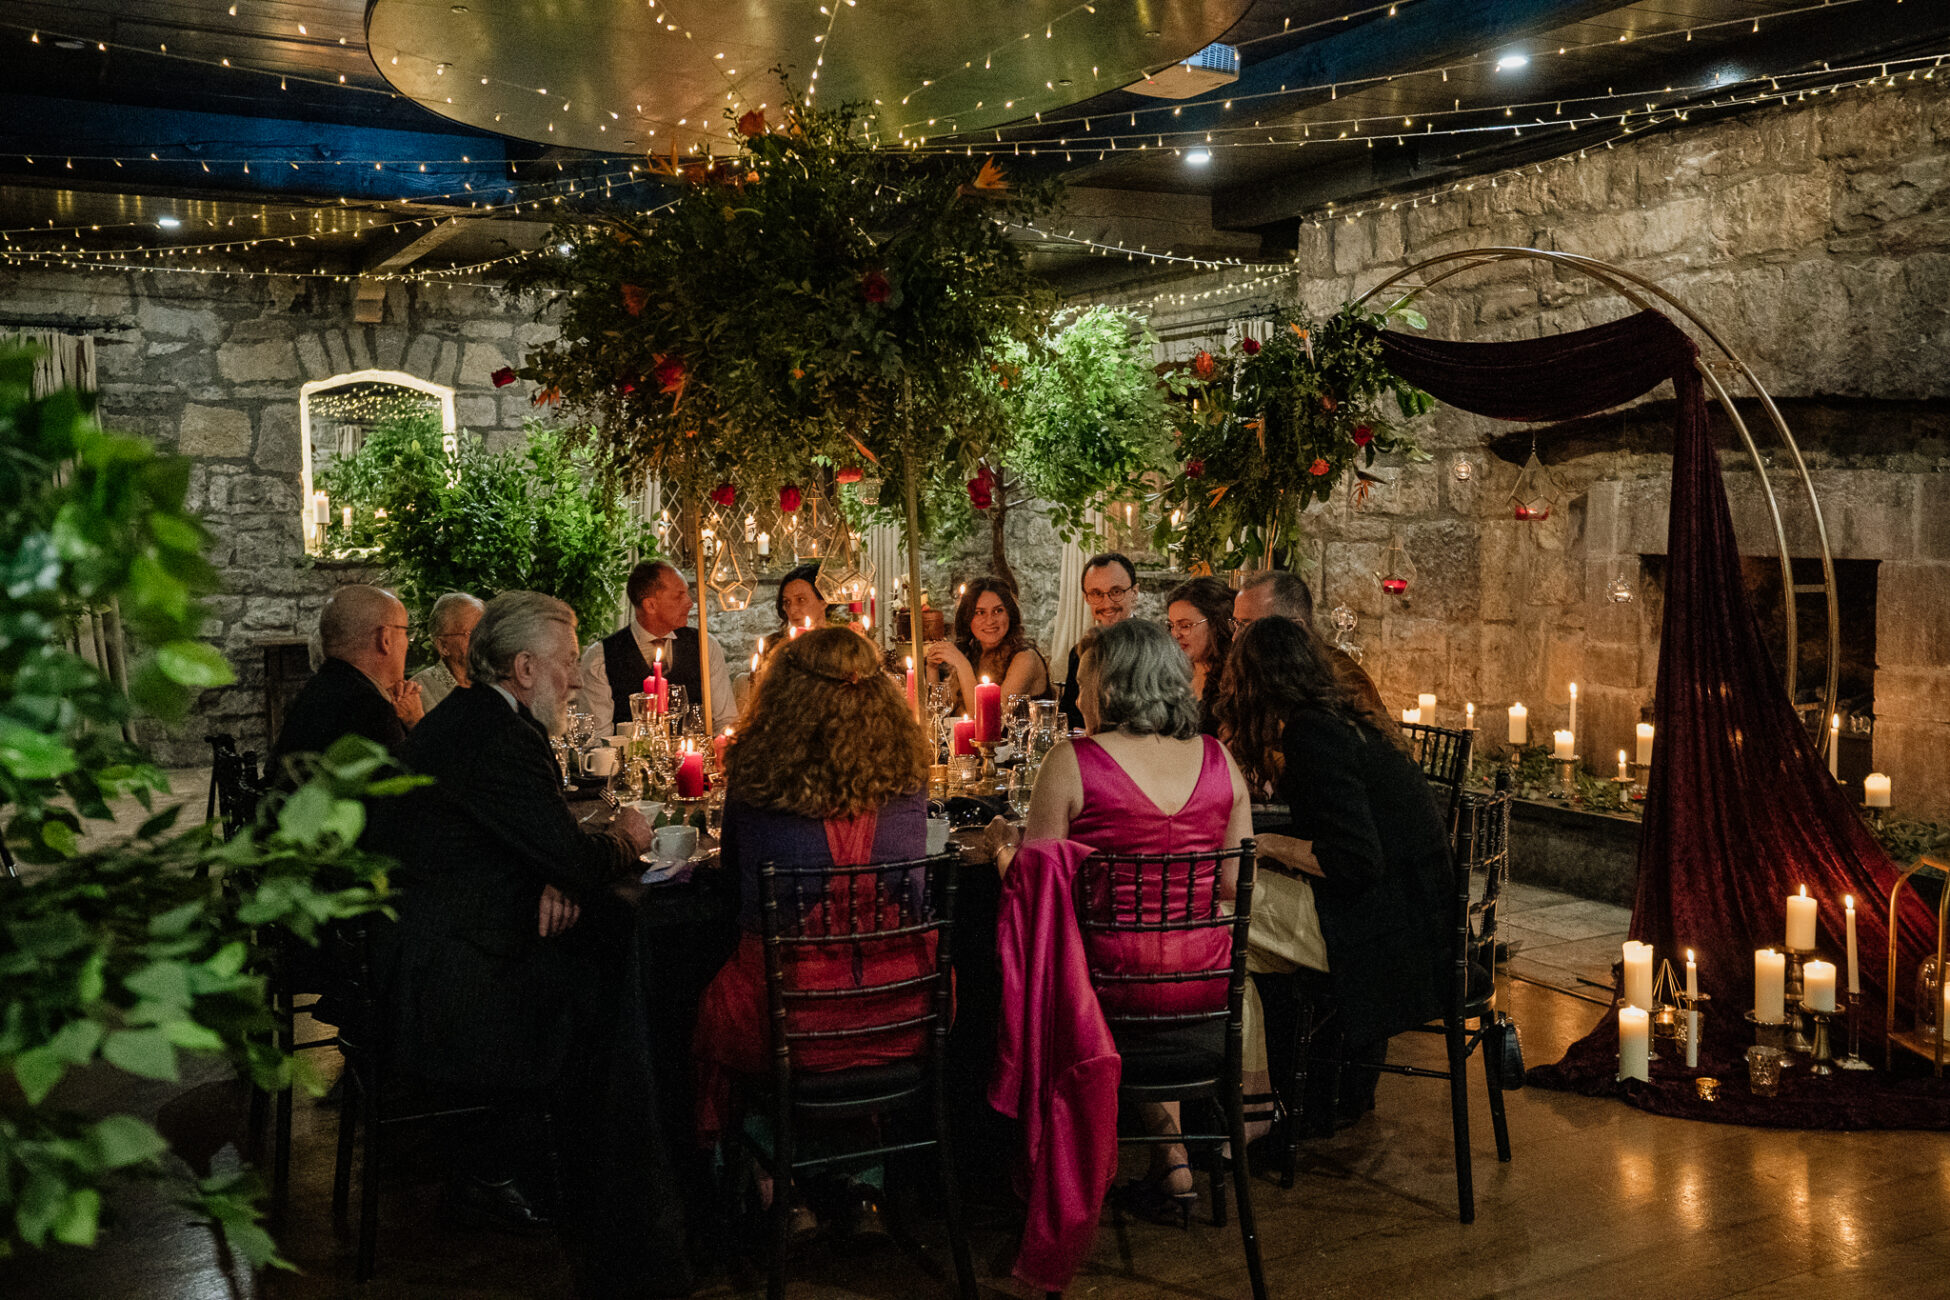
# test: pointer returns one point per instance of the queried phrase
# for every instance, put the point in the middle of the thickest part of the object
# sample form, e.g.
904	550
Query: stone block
220	432
358	343
277	438
158	320
422	354
312	357
388	347
1913	694
1915	755
492	329
338	360
271	360
477	413
1913	615
266	613
1933	518
479	361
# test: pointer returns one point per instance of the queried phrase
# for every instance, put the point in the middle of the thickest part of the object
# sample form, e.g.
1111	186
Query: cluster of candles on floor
1637	999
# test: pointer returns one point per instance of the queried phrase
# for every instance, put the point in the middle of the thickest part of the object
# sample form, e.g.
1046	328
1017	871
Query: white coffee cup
600	762
937	835
673	843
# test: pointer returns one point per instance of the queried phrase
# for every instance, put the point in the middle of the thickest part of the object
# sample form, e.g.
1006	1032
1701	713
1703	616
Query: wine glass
941	702
1022	782
675	714
1015	714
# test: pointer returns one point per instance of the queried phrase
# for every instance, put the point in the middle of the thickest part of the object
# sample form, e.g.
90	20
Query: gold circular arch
1644	295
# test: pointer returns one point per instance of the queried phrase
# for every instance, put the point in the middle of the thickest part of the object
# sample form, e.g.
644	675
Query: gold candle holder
1567	779
1822	1056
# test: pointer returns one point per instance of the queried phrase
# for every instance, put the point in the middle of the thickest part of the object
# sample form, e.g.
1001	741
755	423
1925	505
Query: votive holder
1566	770
1769	1033
1764	1070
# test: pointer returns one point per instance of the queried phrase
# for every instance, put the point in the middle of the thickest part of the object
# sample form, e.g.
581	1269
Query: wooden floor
1600	1201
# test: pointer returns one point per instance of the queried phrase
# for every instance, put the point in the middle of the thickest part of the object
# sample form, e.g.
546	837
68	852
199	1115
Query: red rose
670	375
875	287
635	298
848	474
723	495
981	489
1202	365
752	123
790	499
1363	435
626	386
503	377
1249	345
1318	468
1194	469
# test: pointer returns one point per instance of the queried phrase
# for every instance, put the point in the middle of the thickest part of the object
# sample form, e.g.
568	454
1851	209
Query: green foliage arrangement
1907	839
542	517
124	957
361	480
812	295
1271	428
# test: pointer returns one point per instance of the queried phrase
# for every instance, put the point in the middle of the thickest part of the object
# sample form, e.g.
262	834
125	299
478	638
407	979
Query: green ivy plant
543	517
361	480
1270	428
127	956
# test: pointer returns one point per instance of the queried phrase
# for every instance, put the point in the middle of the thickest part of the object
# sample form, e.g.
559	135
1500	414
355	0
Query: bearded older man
509	958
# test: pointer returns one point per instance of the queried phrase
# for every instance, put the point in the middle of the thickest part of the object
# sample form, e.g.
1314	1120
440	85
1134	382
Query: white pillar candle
1692	1040
1801	920
1469	716
1834	746
1875	790
1634	1044
1818	985
1854	979
1638	974
347	513
1692	975
1566	744
321	509
1425	705
1519	725
1623	774
1573	725
765	543
1411	715
1770	986
1645	744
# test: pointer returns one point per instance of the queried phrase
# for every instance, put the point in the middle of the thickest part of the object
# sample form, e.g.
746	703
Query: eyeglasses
1109	593
1184	625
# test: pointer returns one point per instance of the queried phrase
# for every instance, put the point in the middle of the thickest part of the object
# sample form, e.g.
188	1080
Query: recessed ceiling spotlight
1199	157
1512	61
168	223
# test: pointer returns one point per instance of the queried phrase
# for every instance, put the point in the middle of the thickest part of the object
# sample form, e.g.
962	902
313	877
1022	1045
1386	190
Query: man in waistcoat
613	668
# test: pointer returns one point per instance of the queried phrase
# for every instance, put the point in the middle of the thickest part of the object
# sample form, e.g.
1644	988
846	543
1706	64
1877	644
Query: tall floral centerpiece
1268	428
811	296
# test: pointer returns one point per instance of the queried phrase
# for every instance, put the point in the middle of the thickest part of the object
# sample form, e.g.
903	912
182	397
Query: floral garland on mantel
809	301
1270	428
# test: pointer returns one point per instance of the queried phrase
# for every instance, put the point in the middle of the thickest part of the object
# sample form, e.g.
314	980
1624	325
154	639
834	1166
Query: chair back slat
1133	894
1443	754
824	927
235	784
1483	845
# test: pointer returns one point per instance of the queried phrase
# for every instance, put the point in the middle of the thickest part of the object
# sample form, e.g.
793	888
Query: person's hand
944	653
406	703
632	826
557	912
1293	854
1000	834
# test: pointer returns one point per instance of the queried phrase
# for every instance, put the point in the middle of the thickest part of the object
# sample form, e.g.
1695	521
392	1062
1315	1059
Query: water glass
1022	781
676	704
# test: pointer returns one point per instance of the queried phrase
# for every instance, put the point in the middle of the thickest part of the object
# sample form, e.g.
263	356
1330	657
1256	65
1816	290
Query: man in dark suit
510	954
360	689
1110	589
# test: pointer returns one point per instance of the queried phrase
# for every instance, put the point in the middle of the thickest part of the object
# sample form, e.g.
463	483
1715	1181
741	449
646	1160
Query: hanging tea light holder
1397	570
1535	491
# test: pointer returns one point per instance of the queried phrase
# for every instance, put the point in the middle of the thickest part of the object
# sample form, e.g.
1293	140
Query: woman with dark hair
988	642
799	603
1144	781
1198	614
1367	897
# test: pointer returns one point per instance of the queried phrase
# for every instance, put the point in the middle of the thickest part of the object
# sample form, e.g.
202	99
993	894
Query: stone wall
1815	238
211	366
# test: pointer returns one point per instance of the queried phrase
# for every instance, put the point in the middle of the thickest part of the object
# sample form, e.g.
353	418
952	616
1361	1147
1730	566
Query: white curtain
887	557
68	361
1072	615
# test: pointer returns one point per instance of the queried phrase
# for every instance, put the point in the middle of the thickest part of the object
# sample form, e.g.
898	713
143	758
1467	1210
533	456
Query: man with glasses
1110	589
454	616
1279	594
361	688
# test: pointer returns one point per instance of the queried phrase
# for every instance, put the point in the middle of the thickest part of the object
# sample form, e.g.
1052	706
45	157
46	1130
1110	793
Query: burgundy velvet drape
1740	810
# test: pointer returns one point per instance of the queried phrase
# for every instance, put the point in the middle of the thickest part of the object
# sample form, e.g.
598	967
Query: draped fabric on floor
1740	809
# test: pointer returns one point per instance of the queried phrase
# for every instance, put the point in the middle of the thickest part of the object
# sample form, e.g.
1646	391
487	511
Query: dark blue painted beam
333	161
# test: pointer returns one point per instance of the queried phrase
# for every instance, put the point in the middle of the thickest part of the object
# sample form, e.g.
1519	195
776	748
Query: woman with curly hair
989	642
1367	883
1198	614
829	768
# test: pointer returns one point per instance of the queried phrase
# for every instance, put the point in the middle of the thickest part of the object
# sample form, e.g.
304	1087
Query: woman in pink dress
1143	780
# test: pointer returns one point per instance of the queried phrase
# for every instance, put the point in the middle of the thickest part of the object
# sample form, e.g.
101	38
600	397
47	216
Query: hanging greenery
812	295
540	517
1271	428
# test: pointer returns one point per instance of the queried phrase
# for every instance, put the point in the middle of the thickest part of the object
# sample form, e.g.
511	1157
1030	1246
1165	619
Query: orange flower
1203	365
752	123
635	299
547	397
1318	468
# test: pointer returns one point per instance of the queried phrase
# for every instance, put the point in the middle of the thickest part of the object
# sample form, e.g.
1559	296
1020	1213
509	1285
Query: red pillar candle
964	742
718	744
910	679
988	711
654	685
690	775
